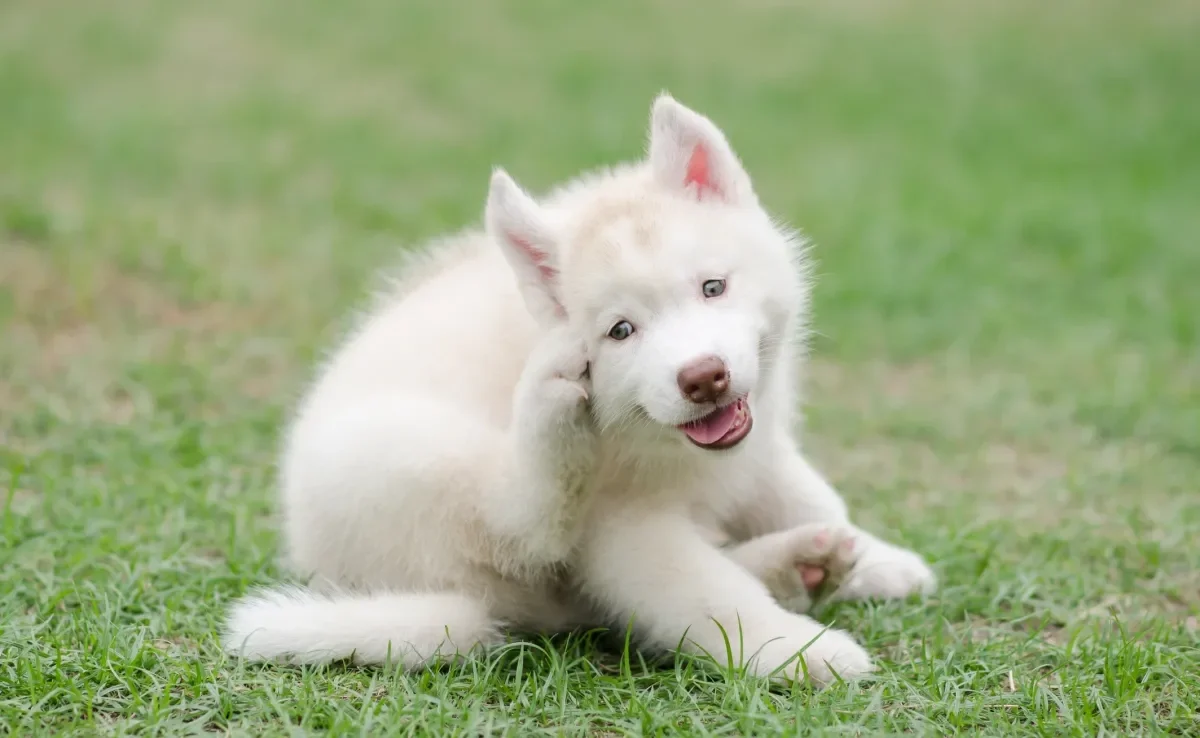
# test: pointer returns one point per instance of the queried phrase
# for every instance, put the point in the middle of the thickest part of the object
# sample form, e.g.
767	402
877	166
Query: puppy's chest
713	490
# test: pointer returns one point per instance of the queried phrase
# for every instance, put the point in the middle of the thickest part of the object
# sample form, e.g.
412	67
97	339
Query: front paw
884	571
818	559
825	654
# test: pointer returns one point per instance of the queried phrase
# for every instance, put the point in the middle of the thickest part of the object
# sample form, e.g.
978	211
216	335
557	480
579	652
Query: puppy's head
682	285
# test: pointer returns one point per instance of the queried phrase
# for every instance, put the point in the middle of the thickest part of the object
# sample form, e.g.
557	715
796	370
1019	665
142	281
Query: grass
193	197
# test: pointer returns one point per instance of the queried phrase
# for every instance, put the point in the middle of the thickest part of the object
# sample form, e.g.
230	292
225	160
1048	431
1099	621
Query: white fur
780	559
479	453
412	629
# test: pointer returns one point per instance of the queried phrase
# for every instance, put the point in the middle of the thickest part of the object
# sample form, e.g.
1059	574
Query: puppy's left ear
690	154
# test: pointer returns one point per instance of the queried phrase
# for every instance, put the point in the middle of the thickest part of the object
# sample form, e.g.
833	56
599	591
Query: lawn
1005	201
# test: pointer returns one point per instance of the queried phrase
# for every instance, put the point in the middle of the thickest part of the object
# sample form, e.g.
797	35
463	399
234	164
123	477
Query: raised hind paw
553	393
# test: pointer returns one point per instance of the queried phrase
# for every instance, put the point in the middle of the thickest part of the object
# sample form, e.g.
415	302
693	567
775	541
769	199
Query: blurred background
194	197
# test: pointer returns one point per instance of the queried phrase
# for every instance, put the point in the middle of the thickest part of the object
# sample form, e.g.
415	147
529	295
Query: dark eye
621	331
713	287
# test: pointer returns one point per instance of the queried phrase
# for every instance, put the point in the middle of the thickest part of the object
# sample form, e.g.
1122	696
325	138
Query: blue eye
713	288
621	331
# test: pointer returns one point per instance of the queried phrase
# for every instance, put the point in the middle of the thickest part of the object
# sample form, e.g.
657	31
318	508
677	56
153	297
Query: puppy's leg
657	570
399	490
551	448
795	563
795	493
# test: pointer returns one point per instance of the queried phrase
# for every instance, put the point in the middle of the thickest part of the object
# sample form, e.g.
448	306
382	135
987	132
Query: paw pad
812	576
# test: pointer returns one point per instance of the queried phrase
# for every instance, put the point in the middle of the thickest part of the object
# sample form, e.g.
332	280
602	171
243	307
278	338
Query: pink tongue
710	429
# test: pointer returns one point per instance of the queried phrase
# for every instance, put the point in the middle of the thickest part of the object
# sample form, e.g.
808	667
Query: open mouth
724	427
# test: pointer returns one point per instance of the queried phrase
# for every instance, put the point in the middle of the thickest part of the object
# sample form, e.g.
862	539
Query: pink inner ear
699	173
539	258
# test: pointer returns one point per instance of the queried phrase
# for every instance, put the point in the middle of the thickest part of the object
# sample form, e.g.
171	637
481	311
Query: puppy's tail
298	626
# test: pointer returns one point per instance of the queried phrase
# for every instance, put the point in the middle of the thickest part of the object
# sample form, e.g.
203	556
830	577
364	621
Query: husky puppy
581	414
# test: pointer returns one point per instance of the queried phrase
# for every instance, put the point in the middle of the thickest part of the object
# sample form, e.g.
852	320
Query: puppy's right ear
516	222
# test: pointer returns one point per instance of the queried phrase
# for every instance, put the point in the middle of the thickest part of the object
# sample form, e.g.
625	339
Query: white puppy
607	438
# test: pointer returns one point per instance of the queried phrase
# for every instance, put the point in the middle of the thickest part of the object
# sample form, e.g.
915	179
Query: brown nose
704	380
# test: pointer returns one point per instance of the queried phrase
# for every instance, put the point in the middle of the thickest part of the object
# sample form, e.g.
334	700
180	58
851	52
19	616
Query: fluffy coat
582	414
